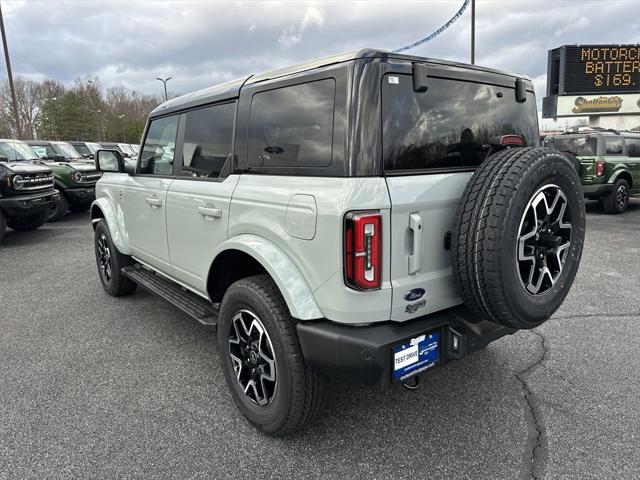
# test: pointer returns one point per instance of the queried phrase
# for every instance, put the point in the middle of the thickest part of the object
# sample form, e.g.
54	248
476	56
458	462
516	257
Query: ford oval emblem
414	294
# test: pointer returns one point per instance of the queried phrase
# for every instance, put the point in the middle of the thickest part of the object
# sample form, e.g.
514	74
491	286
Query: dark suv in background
26	188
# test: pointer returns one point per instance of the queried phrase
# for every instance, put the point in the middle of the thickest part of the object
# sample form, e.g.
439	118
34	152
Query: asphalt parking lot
93	387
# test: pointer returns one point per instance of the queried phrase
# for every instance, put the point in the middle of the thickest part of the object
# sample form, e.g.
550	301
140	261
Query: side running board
196	306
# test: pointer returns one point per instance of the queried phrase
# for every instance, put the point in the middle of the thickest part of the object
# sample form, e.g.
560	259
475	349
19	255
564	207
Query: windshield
126	148
112	146
15	151
453	125
82	149
63	148
580	146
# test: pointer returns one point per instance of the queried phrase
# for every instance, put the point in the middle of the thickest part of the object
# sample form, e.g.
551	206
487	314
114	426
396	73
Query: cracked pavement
92	386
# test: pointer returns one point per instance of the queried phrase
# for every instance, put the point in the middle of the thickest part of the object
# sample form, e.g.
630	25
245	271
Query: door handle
415	257
208	212
154	202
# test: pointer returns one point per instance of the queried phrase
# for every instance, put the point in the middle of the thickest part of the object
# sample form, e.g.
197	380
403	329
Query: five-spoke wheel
104	257
544	239
253	357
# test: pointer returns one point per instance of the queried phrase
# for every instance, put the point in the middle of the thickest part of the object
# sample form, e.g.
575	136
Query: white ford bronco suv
365	216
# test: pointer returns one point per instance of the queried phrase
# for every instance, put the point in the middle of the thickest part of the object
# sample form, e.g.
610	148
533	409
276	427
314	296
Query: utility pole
10	75
164	82
473	32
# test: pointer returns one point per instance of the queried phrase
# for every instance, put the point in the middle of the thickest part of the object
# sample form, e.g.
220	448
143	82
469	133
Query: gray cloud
201	44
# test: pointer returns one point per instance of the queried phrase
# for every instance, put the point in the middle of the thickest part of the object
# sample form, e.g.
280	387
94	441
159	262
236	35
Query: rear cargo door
432	143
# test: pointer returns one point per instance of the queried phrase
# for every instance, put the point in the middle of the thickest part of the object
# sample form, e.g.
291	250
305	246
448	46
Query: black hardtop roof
231	89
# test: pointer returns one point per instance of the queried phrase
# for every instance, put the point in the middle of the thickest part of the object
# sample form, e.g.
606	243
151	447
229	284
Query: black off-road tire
3	225
299	390
487	233
59	208
29	223
618	200
115	284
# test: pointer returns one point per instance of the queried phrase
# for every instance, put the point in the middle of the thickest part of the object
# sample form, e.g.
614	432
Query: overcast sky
203	43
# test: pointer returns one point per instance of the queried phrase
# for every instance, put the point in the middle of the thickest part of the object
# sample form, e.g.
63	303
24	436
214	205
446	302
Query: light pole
473	32
121	117
10	75
164	82
53	112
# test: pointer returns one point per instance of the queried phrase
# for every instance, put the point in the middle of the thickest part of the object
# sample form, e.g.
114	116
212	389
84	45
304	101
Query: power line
437	32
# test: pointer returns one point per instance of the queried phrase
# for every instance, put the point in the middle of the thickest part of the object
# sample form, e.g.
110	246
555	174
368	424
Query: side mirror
59	158
127	155
4	159
109	161
91	156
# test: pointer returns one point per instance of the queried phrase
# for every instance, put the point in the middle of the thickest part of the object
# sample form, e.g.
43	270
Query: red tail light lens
599	169
515	140
362	256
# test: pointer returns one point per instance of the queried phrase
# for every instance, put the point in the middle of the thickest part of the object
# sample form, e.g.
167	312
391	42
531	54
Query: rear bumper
28	205
597	191
80	196
364	354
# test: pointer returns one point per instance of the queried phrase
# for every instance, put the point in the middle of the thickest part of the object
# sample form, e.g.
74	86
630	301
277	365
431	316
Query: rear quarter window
451	125
613	146
292	126
633	147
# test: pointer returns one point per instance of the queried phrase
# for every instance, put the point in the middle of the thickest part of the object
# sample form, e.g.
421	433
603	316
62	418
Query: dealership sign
583	105
592	80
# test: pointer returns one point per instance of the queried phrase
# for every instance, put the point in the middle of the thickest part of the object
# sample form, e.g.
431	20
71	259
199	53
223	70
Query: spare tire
518	236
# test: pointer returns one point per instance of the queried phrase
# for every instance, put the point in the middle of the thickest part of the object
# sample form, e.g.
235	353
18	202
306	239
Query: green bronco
609	164
75	177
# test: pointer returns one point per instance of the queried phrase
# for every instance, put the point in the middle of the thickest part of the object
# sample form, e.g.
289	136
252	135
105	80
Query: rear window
292	126
579	146
453	125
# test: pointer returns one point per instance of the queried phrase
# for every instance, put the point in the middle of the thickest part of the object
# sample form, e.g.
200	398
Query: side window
208	136
613	146
50	152
292	126
159	146
633	147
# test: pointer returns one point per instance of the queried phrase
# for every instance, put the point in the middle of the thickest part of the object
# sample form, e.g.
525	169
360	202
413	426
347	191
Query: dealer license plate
416	355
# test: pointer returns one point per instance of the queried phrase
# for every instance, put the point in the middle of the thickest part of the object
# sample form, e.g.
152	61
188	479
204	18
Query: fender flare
616	174
109	214
285	273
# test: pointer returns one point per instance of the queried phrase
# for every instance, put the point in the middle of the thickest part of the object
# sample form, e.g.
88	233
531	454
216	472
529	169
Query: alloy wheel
544	239
253	357
622	197
104	257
